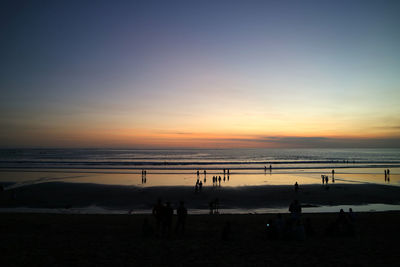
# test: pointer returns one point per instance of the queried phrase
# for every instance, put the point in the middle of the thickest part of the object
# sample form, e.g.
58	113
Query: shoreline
61	195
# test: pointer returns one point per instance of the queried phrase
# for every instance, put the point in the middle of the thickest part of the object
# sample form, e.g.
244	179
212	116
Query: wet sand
116	240
60	195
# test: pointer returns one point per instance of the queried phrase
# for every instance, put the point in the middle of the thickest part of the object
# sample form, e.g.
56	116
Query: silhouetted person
216	205
295	209
219	179
205	172
333	176
158	211
228	171
388	172
352	216
270	167
228	177
211	205
323	179
385	176
224	178
226	231
326	179
182	214
167	218
224	171
198	173
296	187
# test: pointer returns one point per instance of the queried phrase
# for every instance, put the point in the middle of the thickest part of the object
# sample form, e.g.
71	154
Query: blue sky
182	73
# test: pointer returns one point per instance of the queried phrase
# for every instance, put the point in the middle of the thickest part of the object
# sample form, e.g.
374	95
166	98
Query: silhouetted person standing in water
296	187
323	179
219	180
385	176
182	214
326	179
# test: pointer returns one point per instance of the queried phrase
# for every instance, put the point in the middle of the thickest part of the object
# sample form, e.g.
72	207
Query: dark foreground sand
116	240
60	195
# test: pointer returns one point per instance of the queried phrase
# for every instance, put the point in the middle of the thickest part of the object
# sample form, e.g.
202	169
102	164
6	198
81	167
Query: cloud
328	142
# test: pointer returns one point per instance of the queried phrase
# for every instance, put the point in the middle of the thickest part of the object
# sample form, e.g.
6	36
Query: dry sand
116	240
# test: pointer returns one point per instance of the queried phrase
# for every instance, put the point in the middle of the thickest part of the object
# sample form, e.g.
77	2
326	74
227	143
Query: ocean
203	159
112	180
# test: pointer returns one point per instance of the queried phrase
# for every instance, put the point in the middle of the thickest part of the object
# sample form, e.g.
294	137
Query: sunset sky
215	74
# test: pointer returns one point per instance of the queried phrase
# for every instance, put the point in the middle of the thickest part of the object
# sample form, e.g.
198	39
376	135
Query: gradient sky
200	74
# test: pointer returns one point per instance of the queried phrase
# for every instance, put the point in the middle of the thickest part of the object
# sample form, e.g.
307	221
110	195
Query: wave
158	163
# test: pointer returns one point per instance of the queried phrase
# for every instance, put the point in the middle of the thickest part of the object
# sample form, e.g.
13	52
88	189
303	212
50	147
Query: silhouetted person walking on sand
295	209
182	214
167	219
296	187
158	211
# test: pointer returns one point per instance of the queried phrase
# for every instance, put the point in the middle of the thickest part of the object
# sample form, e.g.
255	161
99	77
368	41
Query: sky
200	74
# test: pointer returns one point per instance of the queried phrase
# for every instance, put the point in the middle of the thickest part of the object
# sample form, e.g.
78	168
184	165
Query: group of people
199	186
344	225
325	178
291	227
214	206
295	228
163	215
387	175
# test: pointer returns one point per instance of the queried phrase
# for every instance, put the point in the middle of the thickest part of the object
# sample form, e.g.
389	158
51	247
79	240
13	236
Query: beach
104	240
